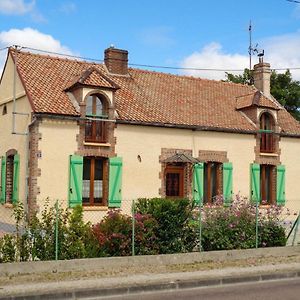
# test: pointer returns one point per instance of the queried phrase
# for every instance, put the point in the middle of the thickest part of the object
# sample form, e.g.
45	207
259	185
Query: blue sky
191	33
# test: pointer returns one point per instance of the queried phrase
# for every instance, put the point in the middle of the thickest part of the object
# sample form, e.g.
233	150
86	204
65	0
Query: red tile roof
143	96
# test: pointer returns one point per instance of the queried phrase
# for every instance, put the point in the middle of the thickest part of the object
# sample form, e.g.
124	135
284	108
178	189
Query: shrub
174	231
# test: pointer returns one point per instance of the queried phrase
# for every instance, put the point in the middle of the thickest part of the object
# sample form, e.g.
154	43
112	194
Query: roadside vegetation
159	226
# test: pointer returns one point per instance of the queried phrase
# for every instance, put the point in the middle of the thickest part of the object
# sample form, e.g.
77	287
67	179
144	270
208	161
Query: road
275	290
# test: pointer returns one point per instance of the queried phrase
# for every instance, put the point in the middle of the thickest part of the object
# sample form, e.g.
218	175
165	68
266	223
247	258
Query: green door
3	179
16	174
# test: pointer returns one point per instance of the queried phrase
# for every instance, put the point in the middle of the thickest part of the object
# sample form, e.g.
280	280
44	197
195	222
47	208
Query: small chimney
116	60
262	77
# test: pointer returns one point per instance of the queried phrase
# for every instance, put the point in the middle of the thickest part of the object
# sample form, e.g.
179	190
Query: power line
149	66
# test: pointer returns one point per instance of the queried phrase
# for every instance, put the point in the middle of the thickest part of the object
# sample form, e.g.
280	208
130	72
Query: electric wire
148	65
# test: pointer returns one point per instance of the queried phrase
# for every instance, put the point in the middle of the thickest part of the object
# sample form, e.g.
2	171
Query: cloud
16	7
157	36
280	51
32	38
213	57
68	7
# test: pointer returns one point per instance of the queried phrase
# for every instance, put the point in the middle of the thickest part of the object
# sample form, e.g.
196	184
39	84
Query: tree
283	88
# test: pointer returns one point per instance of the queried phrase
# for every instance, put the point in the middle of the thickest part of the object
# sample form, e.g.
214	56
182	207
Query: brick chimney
116	60
262	77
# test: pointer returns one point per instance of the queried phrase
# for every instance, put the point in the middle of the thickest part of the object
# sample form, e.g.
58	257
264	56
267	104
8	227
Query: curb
142	288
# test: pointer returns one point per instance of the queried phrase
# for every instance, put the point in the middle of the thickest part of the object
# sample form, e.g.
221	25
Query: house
101	135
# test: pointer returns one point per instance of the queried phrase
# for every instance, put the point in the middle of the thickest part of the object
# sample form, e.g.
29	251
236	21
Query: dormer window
95	125
267	126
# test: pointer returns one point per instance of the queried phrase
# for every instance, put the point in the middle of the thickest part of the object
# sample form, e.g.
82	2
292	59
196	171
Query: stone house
101	135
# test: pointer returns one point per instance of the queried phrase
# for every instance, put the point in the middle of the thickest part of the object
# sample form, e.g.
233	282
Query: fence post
133	229
56	230
296	230
256	224
200	226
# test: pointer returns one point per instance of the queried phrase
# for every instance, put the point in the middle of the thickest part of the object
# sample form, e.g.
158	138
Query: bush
114	234
233	227
174	231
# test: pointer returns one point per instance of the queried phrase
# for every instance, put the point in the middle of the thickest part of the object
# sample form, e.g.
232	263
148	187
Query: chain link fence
59	229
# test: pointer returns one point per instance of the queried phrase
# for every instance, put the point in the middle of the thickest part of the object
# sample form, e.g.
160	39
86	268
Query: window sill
96	144
8	205
95	208
268	154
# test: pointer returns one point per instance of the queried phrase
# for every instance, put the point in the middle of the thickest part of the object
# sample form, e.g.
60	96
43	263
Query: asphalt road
274	290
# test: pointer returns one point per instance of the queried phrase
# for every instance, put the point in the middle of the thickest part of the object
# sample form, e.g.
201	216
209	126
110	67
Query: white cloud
32	38
16	7
280	51
213	57
157	36
68	7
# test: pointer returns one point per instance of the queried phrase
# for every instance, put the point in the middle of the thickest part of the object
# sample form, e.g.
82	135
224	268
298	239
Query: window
212	178
93	181
95	127
268	184
4	111
267	133
10	178
174	180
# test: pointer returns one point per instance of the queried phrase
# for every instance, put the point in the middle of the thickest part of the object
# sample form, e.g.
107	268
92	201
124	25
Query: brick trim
212	155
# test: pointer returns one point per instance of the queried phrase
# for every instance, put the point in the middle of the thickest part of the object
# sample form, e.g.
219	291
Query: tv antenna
254	50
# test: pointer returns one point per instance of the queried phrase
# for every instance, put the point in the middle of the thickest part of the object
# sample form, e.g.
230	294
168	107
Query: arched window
95	126
267	126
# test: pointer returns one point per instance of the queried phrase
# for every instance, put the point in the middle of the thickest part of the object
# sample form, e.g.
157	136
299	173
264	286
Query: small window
93	181
212	181
174	181
267	133
4	111
95	126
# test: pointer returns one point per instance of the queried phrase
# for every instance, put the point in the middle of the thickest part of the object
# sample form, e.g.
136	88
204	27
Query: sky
175	33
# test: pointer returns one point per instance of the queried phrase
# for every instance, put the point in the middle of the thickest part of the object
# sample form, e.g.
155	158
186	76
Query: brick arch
101	94
11	152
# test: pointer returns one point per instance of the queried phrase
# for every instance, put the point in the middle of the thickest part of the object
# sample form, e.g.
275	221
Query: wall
7	139
141	179
290	157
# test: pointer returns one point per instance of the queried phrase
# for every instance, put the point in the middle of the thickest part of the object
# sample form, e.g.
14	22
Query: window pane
86	180
89	106
98	182
214	180
172	184
99	107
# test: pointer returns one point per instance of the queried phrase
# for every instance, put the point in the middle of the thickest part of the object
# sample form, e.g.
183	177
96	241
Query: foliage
283	88
233	227
114	234
174	231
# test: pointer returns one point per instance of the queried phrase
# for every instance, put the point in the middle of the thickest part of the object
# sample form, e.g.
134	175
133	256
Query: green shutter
255	182
198	182
75	180
227	183
16	174
280	186
3	179
115	182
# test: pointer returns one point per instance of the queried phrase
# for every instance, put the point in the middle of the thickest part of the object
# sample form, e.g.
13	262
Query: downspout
14	90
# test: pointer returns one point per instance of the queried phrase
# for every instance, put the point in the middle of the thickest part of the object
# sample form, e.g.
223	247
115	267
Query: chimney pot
116	60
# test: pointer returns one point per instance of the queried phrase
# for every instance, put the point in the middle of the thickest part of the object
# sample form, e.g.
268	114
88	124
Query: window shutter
198	181
16	174
227	183
255	183
280	185
3	179
75	180
115	182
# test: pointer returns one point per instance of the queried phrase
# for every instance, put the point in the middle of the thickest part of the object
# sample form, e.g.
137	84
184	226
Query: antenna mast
250	49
